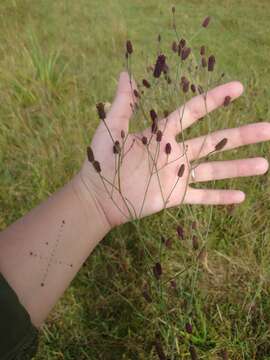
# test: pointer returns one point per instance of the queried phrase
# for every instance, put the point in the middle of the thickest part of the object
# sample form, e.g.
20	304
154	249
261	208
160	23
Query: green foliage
57	60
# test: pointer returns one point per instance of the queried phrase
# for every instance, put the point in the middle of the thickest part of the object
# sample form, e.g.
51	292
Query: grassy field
57	60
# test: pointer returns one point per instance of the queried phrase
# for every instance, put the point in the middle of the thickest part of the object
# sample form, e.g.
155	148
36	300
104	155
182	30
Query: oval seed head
168	148
123	135
153	114
206	22
181	170
90	154
157	270
202	50
160	65
129	47
227	101
96	166
211	63
101	111
159	136
189	328
116	147
136	94
173	9
182	43
185	53
193	88
220	145
146	83
144	140
185	86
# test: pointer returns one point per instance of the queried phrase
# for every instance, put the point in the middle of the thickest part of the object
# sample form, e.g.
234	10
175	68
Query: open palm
144	174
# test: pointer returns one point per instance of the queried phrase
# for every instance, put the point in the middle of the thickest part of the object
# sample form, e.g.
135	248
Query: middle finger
218	170
236	137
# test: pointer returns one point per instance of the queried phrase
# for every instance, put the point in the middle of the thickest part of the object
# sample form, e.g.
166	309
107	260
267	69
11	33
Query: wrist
90	205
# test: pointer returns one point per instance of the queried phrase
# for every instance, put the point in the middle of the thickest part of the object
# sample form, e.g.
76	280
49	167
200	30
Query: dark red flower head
227	101
146	83
159	136
189	328
160	65
206	22
101	111
129	47
220	145
181	170
116	147
193	88
168	148
182	43
90	154
144	140
211	63
96	166
153	115
185	53
136	93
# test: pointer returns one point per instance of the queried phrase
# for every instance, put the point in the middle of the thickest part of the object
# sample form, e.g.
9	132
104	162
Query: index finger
200	105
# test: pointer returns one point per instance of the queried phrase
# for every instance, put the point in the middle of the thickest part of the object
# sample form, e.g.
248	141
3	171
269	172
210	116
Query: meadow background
57	60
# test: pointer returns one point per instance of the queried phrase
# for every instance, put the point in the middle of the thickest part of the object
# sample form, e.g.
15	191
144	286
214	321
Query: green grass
57	59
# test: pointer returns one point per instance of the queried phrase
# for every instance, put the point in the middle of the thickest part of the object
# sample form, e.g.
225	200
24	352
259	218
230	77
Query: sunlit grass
57	60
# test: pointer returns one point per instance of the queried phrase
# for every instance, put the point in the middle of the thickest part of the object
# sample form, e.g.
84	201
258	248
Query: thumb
123	104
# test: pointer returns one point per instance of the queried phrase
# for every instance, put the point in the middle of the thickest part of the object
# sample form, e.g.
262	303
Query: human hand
138	179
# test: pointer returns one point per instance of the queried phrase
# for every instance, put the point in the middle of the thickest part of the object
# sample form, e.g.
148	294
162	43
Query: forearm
42	252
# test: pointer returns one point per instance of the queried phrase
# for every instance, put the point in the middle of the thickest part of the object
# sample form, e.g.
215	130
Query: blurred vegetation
57	60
